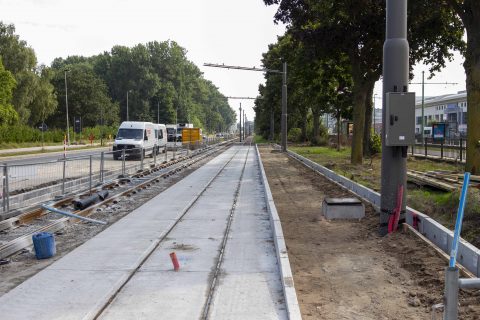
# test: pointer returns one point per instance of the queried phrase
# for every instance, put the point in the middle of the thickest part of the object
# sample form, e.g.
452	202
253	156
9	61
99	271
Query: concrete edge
291	301
468	254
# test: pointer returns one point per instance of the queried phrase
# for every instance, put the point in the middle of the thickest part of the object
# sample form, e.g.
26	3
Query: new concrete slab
83	280
79	285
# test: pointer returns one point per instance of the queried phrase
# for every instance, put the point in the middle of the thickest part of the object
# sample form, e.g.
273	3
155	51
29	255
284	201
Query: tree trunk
338	128
304	128
472	69
368	120
359	96
316	127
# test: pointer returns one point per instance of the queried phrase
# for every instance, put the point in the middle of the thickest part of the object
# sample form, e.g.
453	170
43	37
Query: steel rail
24	241
213	284
158	241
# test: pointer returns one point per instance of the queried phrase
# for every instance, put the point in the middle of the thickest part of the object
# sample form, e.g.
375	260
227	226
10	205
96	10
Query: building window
464	118
419	120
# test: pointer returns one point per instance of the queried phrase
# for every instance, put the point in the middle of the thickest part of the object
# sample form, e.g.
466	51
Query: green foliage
375	143
295	135
7	83
24	133
355	31
33	94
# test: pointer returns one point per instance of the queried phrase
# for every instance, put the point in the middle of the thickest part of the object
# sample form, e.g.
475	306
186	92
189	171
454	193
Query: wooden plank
432	182
463	270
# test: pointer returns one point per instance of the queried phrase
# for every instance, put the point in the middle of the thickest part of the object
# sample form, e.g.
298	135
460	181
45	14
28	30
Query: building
450	109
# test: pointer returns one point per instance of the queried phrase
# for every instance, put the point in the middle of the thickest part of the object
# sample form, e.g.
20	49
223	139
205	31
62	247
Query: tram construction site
245	225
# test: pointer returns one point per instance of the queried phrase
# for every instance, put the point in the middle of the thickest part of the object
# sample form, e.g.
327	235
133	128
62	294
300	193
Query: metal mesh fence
34	181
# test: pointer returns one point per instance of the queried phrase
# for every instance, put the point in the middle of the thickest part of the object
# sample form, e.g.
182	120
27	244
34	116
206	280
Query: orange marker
176	265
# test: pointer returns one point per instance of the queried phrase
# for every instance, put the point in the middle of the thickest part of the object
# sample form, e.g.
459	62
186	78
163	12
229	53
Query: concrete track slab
249	296
249	286
54	286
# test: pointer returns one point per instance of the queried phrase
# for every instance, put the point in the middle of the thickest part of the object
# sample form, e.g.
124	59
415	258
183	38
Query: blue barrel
44	244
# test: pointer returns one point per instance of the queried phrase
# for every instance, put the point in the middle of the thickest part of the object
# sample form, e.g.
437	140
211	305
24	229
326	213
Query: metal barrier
28	183
453	149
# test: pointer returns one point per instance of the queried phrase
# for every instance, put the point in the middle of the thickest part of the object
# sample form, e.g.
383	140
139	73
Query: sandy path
343	270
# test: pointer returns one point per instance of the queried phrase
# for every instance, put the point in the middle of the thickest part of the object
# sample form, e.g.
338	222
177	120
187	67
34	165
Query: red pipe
176	265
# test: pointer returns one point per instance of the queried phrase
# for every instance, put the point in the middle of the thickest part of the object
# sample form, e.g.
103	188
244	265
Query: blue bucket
44	244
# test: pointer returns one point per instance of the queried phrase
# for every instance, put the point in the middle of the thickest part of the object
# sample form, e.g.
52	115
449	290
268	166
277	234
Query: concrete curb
291	301
468	254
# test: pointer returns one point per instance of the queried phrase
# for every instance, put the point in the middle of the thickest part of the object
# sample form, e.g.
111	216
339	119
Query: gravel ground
343	269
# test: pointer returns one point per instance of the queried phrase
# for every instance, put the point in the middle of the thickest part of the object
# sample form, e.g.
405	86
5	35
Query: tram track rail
141	180
160	240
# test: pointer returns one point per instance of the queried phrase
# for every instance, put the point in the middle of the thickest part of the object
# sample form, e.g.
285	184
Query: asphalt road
52	156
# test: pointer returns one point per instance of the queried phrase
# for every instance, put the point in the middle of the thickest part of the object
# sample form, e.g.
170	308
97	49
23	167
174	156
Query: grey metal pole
284	108
166	153
7	188
244	126
64	174
66	104
158	111
142	155
123	162
90	176
395	78
451	294
4	188
127	105
102	165
154	156
423	106
240	122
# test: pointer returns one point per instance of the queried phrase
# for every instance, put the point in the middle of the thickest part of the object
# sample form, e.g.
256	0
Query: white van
136	138
161	135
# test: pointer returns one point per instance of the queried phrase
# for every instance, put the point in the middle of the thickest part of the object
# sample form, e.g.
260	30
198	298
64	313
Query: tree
356	29
469	13
8	115
33	93
87	96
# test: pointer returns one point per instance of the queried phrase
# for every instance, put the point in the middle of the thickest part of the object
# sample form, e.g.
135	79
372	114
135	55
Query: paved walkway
125	272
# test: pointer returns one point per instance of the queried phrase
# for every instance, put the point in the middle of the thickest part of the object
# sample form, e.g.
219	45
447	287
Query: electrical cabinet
400	119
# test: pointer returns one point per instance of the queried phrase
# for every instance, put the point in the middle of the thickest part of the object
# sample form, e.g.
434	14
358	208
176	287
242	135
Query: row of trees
334	52
157	77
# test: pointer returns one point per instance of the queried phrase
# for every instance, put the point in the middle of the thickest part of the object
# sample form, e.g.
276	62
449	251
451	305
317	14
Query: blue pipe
458	223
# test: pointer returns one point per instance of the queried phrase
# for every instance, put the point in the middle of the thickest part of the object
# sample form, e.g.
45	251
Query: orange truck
191	135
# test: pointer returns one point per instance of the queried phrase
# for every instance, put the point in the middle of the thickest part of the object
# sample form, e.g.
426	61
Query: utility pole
395	79
127	104
244	125
284	92
284	108
158	111
66	105
240	122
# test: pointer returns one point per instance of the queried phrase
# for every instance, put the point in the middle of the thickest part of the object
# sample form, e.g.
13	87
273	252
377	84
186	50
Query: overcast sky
234	32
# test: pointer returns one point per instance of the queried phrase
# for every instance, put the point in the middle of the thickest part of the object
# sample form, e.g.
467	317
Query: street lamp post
127	103
240	122
66	105
284	92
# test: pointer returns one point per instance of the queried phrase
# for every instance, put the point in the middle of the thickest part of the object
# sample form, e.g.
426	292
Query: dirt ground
342	269
23	264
